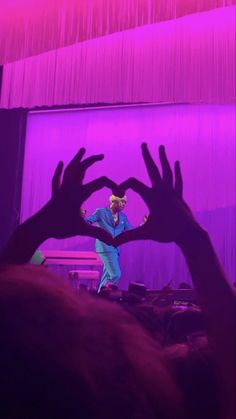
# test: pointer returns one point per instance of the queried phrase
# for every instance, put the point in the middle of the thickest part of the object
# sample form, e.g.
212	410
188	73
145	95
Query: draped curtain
31	27
191	59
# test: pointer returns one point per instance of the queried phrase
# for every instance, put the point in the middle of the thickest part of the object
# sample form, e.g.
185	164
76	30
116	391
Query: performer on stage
115	221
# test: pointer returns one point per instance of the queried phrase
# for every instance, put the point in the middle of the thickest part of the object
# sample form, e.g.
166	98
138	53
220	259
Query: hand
169	214
63	213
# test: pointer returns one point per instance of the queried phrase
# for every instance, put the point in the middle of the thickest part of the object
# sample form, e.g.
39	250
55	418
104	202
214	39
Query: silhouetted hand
169	215
63	212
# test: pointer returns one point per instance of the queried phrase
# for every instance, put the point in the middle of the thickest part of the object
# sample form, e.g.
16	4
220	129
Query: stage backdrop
190	60
202	137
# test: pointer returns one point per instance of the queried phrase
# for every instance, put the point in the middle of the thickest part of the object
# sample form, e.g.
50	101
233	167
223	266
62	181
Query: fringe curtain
191	59
32	27
12	147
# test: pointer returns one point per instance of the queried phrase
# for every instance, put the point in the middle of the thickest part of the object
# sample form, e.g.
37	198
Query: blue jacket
103	218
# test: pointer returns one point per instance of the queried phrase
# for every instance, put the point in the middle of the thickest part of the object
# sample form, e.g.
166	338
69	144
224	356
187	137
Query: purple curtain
32	27
12	129
190	59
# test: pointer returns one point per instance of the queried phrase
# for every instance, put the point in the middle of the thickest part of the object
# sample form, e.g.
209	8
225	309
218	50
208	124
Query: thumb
130	235
98	233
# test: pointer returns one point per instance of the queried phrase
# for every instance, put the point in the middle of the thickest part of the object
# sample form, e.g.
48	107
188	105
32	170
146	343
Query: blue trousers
111	268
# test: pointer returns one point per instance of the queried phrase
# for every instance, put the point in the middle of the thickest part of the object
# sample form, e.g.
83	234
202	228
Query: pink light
30	27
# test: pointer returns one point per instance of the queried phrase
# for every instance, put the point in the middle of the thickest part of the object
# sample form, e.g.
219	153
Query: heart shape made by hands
169	214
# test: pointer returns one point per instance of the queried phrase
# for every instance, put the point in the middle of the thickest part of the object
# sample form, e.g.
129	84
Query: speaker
137	289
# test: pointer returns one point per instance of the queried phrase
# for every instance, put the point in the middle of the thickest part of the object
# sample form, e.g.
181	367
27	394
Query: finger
90	161
130	235
73	165
56	179
151	166
98	233
178	180
76	169
97	184
84	165
118	191
167	174
136	186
